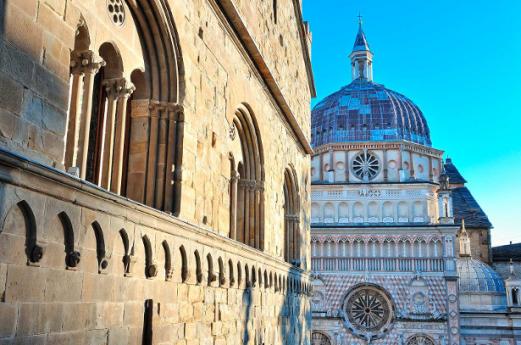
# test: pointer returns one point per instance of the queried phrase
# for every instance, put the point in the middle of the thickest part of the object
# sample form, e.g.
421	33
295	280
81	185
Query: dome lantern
361	56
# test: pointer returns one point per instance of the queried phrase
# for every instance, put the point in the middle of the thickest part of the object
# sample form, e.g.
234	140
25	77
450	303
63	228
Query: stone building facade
154	172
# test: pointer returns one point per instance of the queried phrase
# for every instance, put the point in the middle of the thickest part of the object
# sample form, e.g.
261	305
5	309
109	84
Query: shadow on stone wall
246	302
295	315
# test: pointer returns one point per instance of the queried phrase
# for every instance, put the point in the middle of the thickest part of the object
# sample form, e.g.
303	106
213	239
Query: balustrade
361	264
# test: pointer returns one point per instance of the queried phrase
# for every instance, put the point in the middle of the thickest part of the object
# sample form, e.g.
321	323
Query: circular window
318	338
420	340
116	11
369	311
365	165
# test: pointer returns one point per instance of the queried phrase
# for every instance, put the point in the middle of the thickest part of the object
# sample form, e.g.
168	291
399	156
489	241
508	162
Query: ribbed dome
478	277
366	111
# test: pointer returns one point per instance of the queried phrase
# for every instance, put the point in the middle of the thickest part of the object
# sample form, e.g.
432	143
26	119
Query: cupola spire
361	56
464	241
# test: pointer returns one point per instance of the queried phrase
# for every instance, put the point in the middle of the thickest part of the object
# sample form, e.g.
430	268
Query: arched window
291	218
248	225
115	140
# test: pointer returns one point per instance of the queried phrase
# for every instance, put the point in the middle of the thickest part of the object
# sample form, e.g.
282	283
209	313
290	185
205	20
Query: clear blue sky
460	62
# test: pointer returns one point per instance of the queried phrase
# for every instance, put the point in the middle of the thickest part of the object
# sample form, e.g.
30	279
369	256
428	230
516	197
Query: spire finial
361	56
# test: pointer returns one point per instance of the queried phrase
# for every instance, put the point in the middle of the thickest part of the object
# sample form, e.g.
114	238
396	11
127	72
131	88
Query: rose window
368	310
420	340
365	165
116	11
318	338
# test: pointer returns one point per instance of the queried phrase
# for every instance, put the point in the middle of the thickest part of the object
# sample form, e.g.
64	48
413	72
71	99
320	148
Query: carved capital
118	87
86	61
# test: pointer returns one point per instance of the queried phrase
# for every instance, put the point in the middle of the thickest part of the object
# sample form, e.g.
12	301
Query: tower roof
360	40
455	176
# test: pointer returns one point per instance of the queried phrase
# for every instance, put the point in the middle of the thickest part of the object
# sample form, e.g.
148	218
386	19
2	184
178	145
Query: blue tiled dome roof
478	277
366	111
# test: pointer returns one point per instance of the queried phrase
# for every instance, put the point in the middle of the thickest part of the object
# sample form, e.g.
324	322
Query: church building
400	247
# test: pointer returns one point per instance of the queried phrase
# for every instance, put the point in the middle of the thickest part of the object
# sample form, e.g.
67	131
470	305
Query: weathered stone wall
49	301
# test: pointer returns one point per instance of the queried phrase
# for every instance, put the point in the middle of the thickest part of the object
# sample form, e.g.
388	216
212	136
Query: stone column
90	64
107	147
175	112
152	154
71	149
257	211
125	89
233	204
161	167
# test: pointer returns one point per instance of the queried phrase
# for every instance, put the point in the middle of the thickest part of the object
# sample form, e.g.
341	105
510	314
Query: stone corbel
72	260
152	270
35	254
169	274
103	264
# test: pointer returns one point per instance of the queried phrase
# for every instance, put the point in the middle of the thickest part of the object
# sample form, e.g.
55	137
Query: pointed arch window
292	237
247	183
114	140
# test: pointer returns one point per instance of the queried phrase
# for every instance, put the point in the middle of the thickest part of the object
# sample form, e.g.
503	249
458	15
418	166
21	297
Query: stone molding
415	148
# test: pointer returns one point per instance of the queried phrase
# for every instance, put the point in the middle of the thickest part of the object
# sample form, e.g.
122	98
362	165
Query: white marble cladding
374	203
399	162
379	246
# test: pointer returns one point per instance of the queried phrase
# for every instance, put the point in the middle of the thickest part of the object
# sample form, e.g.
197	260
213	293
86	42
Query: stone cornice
380	145
305	51
234	24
